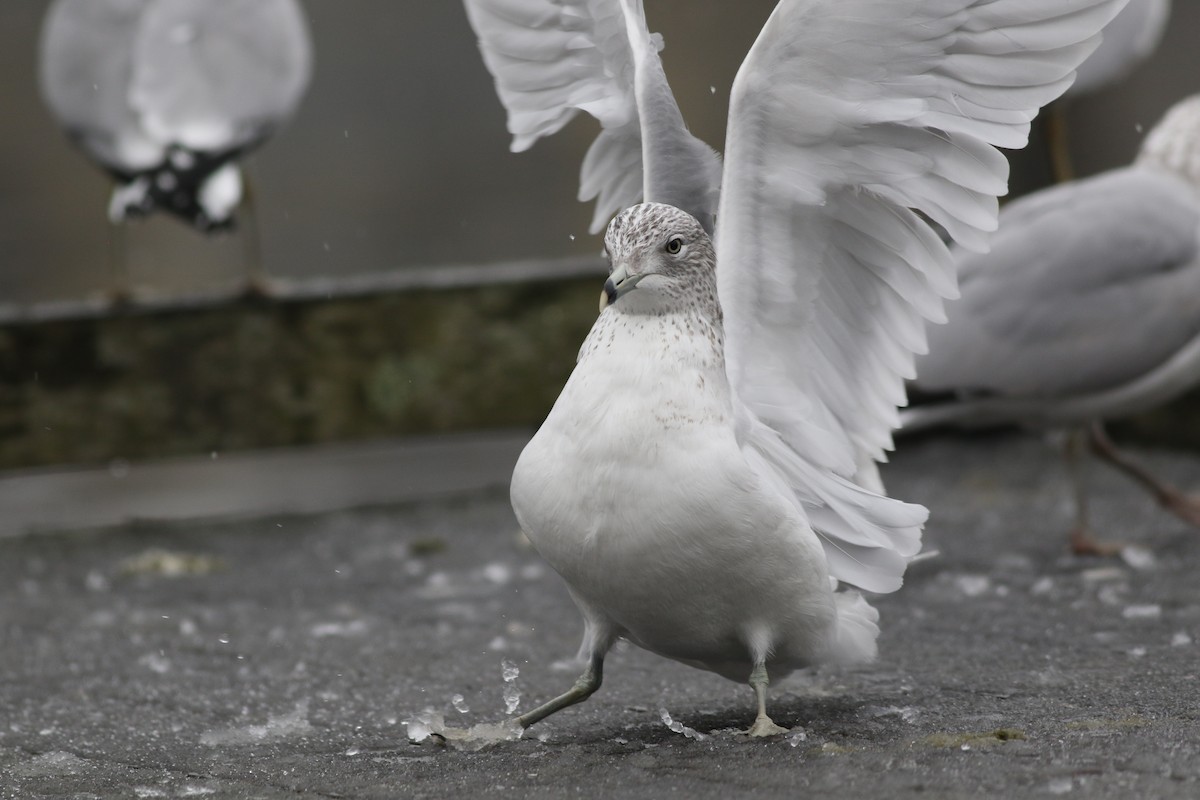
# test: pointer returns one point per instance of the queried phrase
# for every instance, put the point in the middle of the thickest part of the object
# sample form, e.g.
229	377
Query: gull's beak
619	282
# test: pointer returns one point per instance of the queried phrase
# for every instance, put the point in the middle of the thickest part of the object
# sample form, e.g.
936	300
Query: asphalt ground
278	655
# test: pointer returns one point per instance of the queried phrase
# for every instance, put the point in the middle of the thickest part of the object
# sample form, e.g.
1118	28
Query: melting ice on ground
294	723
431	722
679	727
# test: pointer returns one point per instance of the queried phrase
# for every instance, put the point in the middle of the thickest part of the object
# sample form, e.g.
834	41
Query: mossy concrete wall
244	372
259	372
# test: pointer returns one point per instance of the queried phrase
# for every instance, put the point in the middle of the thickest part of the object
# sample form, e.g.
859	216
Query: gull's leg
118	264
596	643
763	725
257	282
1082	541
1181	504
1058	143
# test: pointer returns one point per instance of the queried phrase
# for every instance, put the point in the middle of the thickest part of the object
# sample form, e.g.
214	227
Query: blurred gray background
398	157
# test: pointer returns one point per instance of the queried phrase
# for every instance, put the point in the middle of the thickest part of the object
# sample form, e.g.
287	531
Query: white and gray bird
167	95
1087	308
706	481
1130	39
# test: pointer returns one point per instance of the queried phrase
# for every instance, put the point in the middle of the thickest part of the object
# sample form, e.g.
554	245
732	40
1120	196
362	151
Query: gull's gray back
1088	286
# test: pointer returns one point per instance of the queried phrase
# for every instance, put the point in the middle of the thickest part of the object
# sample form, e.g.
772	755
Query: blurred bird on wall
167	95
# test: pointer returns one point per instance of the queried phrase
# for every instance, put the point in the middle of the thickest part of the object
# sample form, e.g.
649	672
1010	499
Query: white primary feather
835	156
554	58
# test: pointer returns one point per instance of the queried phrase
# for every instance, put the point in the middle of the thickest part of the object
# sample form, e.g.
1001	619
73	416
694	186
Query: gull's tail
856	631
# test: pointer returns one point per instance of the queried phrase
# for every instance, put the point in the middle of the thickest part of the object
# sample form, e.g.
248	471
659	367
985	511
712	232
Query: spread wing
853	123
554	58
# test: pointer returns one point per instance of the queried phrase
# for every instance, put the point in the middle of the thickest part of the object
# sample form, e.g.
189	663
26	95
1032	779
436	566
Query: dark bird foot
1084	544
1181	504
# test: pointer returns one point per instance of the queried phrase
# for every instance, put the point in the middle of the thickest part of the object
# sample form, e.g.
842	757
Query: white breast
636	491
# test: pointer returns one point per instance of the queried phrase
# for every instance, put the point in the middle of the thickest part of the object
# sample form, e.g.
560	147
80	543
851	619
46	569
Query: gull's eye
674	245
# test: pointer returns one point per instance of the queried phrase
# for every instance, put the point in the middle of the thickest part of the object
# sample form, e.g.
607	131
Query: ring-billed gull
707	476
1084	310
1129	39
166	95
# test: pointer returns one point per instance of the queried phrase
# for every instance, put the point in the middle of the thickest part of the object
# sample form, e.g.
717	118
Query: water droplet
509	671
512	698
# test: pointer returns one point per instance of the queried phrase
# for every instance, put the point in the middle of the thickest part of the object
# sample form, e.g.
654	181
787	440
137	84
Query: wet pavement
279	654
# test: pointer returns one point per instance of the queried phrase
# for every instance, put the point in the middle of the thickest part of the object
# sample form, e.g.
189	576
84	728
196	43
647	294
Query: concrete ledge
254	484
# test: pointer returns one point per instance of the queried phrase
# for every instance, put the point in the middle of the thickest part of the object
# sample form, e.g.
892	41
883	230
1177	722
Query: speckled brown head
664	254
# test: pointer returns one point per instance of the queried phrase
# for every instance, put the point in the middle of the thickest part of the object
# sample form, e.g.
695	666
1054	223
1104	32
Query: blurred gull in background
702	481
1131	38
166	95
1087	308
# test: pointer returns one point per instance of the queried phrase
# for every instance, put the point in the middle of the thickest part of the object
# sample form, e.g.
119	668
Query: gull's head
1174	143
659	257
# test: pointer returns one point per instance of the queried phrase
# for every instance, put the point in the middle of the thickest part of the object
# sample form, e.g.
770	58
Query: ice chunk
1146	611
1102	574
294	723
679	727
1138	557
796	736
155	662
972	585
509	671
1060	785
499	574
907	713
51	764
430	723
1043	585
355	627
460	704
